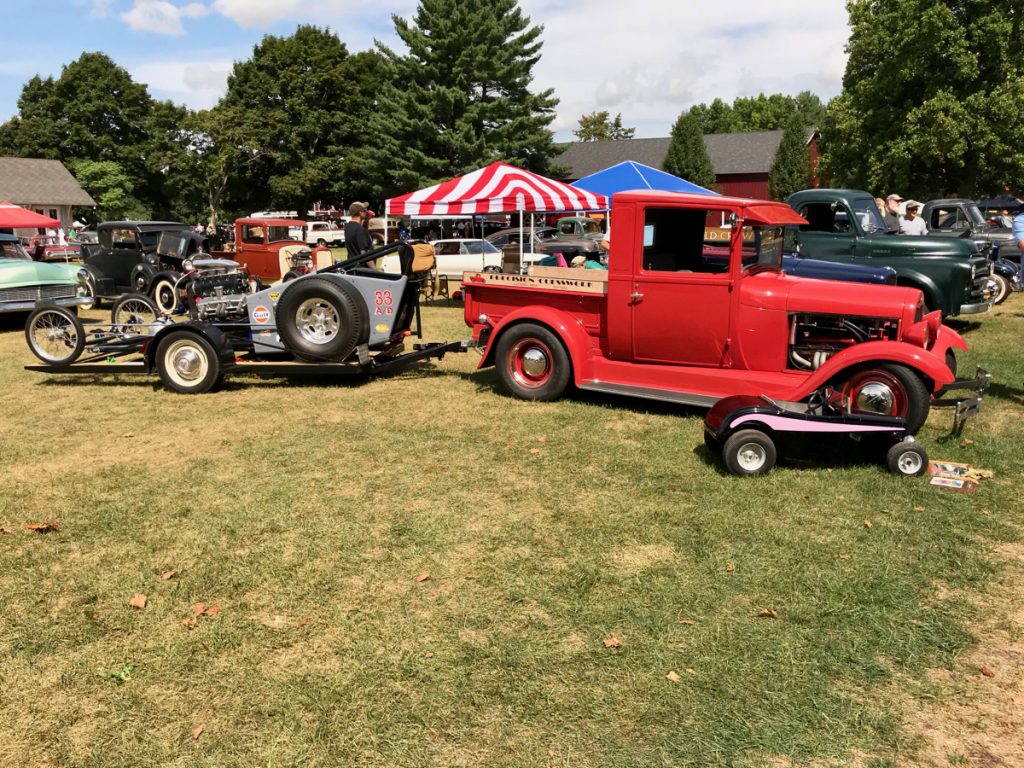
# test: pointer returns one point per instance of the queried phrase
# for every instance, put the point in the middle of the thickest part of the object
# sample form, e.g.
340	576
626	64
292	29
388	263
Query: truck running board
649	393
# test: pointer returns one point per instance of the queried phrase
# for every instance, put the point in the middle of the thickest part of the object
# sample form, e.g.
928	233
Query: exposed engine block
218	289
813	339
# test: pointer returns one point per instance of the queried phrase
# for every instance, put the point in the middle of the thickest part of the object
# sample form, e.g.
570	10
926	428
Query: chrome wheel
317	321
530	363
751	456
54	337
186	362
134	316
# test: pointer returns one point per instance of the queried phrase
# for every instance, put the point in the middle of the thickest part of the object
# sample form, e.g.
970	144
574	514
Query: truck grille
36	292
982	273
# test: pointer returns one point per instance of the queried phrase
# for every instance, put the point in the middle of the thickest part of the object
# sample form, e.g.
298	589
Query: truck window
566	227
763	246
821	218
680	240
252	234
949	218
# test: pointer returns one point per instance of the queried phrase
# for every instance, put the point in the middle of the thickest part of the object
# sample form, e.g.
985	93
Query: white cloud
650	59
161	16
197	84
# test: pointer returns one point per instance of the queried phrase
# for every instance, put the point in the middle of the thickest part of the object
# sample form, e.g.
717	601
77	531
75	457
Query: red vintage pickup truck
695	308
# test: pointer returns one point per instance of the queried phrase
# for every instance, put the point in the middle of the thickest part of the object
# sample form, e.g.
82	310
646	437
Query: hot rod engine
217	290
813	339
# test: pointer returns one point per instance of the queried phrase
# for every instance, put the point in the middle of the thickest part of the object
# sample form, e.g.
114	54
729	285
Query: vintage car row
24	281
678	317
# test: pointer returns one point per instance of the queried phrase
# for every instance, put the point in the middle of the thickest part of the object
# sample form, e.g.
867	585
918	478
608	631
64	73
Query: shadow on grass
1003	392
242	381
963	327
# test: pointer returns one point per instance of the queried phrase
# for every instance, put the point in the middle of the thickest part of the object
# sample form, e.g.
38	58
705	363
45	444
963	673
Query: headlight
186	265
974	271
83	276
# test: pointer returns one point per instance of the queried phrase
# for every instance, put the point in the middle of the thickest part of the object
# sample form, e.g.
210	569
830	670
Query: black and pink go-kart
750	432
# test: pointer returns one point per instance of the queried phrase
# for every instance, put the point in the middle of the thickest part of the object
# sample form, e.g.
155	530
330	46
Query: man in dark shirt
357	239
892	214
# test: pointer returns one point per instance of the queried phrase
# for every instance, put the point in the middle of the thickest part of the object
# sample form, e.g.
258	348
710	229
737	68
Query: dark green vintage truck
845	225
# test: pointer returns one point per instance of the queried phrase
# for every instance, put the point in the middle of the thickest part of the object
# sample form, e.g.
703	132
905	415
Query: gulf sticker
261	315
382	328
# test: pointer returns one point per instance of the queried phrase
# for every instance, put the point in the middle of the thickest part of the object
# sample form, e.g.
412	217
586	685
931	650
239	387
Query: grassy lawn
418	571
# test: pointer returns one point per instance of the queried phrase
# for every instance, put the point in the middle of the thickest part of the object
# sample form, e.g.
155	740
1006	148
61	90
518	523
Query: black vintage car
141	257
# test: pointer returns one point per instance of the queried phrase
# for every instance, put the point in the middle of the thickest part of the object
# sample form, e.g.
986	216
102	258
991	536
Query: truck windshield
974	212
762	247
277	234
867	212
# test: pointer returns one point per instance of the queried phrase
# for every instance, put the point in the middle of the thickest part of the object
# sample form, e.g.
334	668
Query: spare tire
321	319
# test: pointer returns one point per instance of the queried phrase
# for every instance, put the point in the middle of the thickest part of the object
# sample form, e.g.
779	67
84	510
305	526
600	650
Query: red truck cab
695	307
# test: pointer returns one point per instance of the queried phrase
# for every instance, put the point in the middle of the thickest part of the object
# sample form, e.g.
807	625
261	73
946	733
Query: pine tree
791	168
687	155
460	98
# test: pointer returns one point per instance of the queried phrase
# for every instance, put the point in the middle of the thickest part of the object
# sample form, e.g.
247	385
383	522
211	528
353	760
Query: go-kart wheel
320	319
134	314
187	363
907	459
749	452
532	363
164	296
55	335
1003	289
887	390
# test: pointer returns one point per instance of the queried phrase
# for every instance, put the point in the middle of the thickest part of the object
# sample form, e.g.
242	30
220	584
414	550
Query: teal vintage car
23	281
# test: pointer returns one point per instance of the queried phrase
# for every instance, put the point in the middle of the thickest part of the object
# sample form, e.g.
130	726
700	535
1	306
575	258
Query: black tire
907	459
1003	289
749	452
951	361
321	243
290	275
164	295
322	319
132	311
187	363
55	335
887	389
491	269
532	363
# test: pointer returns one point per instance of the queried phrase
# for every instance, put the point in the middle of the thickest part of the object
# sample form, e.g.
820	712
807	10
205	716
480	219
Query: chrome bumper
974	309
27	306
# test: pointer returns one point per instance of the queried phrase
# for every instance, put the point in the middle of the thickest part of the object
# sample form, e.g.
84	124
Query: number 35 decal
383	303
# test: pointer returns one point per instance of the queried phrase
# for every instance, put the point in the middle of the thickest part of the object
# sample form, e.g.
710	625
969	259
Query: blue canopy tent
633	175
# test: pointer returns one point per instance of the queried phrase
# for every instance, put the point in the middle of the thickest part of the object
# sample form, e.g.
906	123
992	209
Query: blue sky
648	59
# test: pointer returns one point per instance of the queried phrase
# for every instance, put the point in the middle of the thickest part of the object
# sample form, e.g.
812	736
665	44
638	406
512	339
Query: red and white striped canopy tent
498	188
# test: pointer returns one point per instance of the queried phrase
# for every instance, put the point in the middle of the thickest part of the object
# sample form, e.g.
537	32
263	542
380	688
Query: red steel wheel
887	390
532	363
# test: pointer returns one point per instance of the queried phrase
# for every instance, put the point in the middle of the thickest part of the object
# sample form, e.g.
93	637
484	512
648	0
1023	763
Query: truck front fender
566	327
934	298
929	364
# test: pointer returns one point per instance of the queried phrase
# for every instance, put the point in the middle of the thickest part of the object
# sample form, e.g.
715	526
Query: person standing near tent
606	241
357	239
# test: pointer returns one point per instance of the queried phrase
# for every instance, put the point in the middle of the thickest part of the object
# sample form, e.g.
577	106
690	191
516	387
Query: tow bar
965	407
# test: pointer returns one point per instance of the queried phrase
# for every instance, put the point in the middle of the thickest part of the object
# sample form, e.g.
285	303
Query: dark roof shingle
730	153
26	180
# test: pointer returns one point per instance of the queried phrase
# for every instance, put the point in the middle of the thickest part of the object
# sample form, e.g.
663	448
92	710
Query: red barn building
742	161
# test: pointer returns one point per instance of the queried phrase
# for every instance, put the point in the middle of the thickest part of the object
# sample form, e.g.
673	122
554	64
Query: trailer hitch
964	407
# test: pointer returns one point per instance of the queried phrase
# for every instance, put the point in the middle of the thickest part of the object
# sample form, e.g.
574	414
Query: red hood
772	290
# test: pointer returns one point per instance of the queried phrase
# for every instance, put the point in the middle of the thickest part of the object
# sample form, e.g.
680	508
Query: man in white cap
892	214
912	224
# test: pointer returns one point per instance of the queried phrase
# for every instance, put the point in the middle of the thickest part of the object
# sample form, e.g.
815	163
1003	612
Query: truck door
829	233
682	289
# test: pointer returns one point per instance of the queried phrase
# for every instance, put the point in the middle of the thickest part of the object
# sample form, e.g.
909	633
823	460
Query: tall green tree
932	98
460	97
111	188
93	111
599	126
687	155
758	113
791	167
294	111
